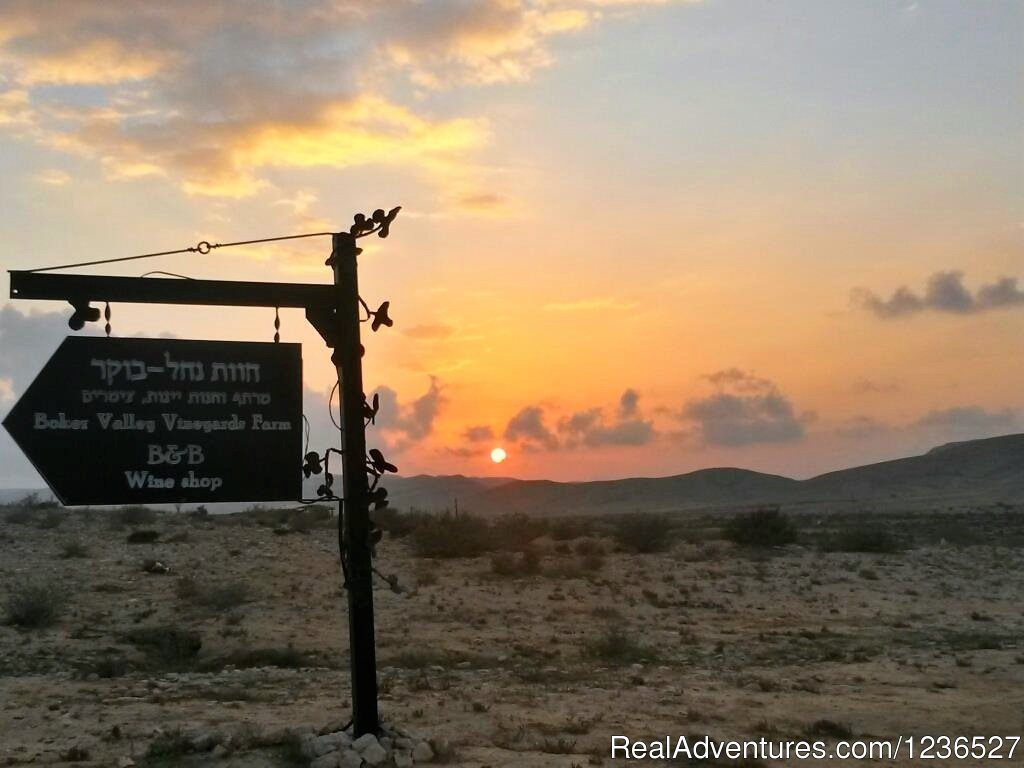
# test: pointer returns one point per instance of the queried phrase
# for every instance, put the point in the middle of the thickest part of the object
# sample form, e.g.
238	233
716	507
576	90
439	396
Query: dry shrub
450	535
35	605
527	563
764	527
644	532
216	597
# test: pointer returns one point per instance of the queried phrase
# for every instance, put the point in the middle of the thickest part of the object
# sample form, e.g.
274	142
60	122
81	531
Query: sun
498	455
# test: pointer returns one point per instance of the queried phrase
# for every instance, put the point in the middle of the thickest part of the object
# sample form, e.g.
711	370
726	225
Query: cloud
944	292
28	339
744	410
408	423
528	427
969	422
53	177
628	403
215	96
589	427
860	427
478	434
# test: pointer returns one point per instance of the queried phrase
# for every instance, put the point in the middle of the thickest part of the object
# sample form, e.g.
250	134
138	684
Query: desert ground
132	637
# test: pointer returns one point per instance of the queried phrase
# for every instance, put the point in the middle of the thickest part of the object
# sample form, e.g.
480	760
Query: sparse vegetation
144	536
215	597
829	729
450	535
248	658
167	645
35	605
618	647
134	515
863	539
526	563
72	549
764	527
644	532
53	518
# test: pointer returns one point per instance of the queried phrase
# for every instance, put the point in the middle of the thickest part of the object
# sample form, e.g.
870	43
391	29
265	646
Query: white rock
349	758
422	753
329	742
360	745
403	760
375	754
330	760
125	762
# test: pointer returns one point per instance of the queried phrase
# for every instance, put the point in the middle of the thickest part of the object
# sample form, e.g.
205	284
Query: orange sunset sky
636	238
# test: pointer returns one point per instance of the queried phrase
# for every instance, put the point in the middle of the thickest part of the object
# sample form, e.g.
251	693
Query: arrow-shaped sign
133	421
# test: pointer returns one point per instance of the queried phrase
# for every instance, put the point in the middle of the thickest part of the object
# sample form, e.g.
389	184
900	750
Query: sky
636	238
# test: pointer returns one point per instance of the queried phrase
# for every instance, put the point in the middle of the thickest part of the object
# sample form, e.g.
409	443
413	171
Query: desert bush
527	563
592	561
643	532
52	519
450	535
134	515
169	747
179	538
216	597
35	605
829	729
33	502
864	539
616	646
396	524
515	532
106	667
570	528
144	536
585	547
764	527
73	548
308	518
168	645
19	515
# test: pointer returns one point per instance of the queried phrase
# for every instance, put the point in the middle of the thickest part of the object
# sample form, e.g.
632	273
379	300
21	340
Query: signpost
149	421
112	421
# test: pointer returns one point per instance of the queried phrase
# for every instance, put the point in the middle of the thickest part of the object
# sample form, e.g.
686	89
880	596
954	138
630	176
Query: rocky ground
223	641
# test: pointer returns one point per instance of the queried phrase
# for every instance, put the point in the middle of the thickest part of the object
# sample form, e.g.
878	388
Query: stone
403	760
329	742
375	754
125	762
330	760
422	753
349	758
360	745
204	741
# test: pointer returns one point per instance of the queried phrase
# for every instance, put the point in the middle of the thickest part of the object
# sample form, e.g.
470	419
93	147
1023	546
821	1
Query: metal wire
203	247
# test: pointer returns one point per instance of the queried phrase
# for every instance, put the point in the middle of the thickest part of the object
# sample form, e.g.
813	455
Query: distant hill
976	471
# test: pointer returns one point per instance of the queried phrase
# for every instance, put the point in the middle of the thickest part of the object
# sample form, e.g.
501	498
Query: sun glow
498	455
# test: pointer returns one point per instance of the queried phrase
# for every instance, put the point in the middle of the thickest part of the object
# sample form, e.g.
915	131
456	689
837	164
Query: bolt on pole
354	521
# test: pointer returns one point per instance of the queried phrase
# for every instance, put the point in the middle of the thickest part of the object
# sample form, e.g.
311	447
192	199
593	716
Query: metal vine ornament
376	465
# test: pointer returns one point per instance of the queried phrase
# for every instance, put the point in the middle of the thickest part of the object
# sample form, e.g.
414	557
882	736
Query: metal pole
354	521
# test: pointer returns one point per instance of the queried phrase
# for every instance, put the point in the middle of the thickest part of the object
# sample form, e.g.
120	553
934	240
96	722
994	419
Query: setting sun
498	455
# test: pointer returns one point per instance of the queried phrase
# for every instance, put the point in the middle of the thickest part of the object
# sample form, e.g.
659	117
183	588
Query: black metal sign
129	420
